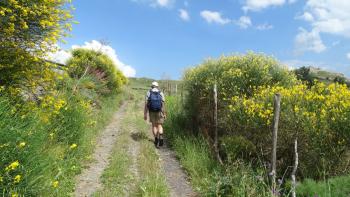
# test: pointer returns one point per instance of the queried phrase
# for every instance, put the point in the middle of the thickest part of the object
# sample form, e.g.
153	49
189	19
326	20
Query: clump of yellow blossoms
55	184
73	146
12	166
318	116
17	179
22	144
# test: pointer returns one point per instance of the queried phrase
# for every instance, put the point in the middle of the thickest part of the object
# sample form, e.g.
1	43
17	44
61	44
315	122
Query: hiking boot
156	142
161	140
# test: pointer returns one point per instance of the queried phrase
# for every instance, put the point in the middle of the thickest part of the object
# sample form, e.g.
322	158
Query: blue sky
158	38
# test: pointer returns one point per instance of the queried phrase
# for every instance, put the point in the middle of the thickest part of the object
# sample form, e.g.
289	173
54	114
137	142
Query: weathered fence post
296	161
182	94
277	109
176	89
216	144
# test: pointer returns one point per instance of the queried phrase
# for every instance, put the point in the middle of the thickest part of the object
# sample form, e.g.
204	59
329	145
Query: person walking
155	109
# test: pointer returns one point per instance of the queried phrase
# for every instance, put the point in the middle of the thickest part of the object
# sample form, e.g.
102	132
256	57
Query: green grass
117	176
118	179
152	180
334	187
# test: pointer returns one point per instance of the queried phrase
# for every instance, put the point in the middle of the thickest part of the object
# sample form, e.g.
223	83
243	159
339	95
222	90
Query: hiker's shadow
139	136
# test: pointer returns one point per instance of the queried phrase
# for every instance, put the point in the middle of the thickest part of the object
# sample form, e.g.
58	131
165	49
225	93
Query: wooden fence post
216	144
296	161
176	89
277	109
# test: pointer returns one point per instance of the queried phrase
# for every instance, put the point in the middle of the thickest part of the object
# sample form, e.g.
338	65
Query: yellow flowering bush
28	32
317	117
235	76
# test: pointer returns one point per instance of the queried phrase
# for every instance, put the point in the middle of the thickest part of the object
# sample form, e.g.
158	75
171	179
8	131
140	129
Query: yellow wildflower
14	195
12	166
73	146
17	179
55	184
22	144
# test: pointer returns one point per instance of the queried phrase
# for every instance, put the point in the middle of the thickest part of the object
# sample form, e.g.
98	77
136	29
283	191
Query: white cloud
184	15
264	26
348	55
164	3
256	5
62	56
308	41
330	16
214	17
111	53
307	16
327	16
244	22
157	3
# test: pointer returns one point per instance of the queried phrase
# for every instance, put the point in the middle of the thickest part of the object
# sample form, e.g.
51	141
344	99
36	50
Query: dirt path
176	178
142	171
89	180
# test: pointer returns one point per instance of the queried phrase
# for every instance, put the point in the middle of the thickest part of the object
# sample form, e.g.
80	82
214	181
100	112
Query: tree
29	30
304	74
340	80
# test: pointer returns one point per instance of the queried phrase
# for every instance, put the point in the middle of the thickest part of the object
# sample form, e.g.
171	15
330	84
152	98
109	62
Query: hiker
155	108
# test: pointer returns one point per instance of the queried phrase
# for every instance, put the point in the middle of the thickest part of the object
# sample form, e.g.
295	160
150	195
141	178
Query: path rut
89	180
176	178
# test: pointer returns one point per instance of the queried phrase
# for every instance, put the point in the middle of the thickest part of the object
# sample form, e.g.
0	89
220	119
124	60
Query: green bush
238	147
98	66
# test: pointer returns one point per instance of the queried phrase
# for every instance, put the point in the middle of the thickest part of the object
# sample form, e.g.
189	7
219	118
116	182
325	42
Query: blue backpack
155	101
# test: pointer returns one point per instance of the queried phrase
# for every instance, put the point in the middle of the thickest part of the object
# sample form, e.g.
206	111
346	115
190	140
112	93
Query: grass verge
334	187
48	154
207	176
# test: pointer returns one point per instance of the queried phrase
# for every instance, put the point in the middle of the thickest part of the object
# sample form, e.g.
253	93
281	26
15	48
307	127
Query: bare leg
160	131
155	129
155	134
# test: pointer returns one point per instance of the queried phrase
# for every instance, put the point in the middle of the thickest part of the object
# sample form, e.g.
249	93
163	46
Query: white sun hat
155	84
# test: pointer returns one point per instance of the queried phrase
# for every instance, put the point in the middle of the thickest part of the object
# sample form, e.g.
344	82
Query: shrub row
317	117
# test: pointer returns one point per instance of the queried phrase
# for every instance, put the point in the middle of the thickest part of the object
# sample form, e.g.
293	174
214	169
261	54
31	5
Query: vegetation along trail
89	180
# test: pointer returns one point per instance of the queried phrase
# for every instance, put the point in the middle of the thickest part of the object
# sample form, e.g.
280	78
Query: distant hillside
169	87
310	74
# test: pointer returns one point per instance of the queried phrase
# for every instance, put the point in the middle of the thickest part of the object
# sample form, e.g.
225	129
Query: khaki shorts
156	117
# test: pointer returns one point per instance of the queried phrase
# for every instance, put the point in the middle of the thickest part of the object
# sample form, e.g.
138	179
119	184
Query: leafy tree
303	73
30	29
340	80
